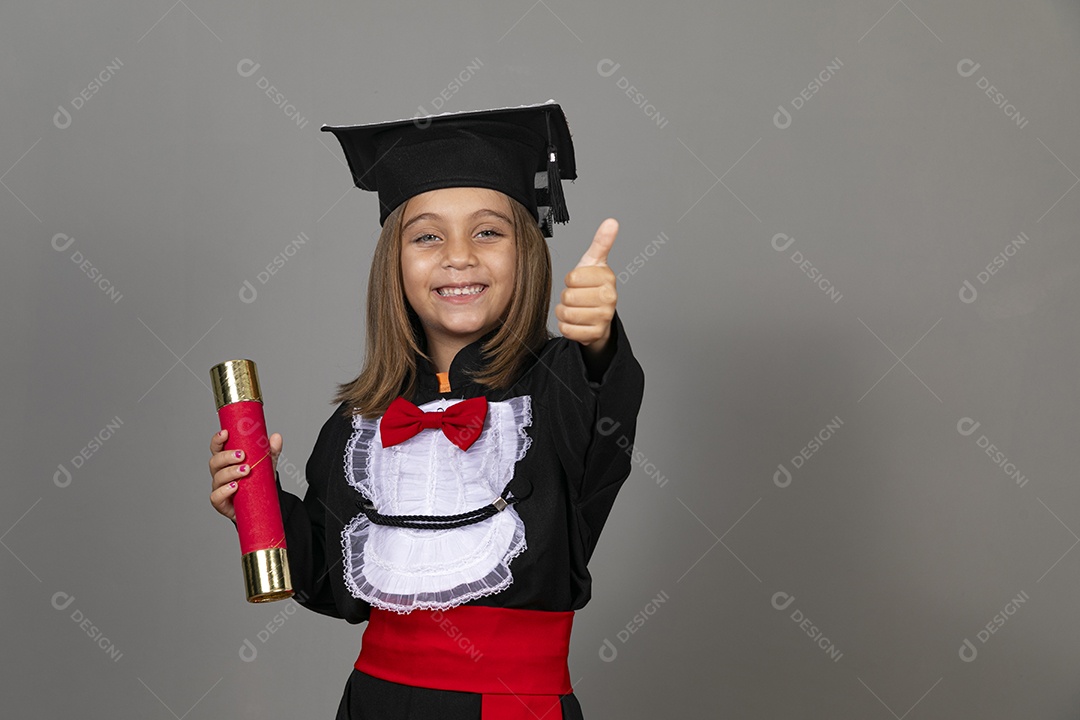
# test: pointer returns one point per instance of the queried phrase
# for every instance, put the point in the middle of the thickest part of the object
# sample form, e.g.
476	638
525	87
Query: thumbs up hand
588	301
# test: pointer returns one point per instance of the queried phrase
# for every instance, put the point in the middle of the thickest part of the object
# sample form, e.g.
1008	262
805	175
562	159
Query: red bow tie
461	422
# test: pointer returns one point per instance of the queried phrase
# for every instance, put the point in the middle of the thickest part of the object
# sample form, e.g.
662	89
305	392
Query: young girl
457	492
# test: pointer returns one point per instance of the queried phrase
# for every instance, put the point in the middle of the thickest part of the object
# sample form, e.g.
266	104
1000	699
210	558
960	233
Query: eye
426	239
490	234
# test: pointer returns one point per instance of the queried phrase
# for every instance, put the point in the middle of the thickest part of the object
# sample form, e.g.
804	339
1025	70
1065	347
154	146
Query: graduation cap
524	152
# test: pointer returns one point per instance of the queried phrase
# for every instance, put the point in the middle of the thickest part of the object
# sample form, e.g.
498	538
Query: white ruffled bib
402	569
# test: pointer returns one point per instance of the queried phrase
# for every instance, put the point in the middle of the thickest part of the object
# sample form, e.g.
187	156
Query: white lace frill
403	569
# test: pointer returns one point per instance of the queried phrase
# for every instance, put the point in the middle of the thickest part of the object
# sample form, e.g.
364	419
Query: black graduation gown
582	433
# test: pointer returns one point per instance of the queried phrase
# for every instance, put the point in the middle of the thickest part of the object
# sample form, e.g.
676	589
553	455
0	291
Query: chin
463	326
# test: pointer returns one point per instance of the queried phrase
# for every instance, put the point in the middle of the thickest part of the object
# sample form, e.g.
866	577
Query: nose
458	251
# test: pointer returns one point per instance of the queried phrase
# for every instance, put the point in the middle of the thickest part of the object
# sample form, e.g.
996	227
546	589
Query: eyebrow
436	216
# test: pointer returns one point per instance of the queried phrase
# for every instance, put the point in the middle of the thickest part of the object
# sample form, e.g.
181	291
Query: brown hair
395	335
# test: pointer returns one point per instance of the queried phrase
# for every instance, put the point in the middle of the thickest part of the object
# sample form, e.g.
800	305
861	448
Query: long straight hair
395	337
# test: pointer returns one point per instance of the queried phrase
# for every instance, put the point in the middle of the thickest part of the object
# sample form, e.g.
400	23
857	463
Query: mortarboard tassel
557	202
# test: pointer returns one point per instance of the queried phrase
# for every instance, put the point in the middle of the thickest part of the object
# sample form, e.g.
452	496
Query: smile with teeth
466	290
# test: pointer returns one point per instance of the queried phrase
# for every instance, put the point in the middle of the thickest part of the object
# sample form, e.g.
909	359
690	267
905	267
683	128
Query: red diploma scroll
258	514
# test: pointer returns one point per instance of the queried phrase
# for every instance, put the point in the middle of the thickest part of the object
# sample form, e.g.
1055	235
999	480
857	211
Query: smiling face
458	255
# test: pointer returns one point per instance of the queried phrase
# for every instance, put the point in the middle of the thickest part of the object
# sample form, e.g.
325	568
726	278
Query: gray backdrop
847	263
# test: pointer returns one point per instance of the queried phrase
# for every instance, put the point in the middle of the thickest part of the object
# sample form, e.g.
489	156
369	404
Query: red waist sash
515	658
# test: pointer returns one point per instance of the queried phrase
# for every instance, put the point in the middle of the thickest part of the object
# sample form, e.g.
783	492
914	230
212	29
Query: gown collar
468	359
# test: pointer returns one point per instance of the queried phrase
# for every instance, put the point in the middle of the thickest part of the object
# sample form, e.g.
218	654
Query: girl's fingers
220	458
221	499
600	296
227	468
226	474
225	458
601	244
276	443
598	316
218	496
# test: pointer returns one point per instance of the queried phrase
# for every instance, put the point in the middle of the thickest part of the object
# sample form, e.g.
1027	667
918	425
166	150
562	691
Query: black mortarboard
522	151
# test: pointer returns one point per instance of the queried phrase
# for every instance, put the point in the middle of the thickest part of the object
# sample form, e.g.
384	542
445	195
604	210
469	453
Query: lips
460	290
459	285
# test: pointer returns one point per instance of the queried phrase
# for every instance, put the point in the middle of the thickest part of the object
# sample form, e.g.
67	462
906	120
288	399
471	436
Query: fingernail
232	484
243	468
239	454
